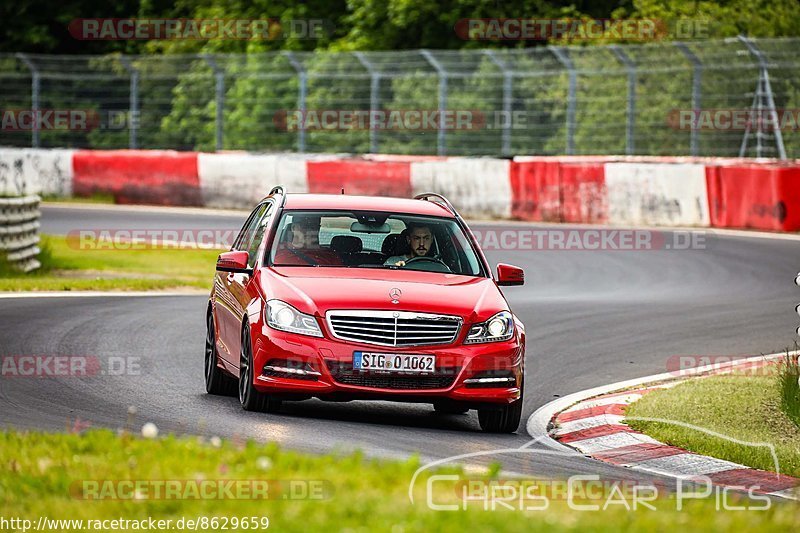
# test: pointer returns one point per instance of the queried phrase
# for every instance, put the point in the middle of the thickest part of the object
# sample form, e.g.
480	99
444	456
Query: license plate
394	362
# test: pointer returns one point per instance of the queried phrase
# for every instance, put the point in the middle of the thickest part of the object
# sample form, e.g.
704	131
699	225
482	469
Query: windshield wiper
392	267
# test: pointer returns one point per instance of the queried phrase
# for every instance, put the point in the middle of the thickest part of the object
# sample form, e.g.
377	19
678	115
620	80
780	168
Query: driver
303	246
419	240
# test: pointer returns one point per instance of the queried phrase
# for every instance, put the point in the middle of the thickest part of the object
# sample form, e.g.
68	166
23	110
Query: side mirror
508	275
234	262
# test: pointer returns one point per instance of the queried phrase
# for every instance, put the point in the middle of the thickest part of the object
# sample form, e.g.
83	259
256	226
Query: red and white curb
591	423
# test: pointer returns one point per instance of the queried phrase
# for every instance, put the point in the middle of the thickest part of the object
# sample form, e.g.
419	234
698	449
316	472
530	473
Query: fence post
219	96
572	98
301	99
133	103
508	87
36	86
763	80
374	99
630	66
697	77
441	147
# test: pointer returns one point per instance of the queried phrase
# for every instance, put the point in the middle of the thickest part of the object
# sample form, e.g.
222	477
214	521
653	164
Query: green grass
65	267
746	408
41	474
790	388
95	198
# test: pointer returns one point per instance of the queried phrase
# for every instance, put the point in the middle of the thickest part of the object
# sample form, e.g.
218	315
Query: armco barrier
31	171
19	231
658	194
138	176
755	196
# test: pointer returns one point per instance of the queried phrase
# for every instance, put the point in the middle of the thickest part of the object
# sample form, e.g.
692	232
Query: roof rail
278	189
442	200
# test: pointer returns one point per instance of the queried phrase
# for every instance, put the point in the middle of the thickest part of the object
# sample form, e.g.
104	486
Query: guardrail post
301	99
441	146
697	78
374	99
630	66
572	98
133	103
508	87
219	97
36	86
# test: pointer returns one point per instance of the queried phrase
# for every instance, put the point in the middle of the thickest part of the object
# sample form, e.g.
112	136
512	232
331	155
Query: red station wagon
364	298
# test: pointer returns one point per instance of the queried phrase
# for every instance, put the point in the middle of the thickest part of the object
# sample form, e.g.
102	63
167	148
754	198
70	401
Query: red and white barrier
657	194
138	176
360	177
241	179
479	187
755	196
634	191
26	171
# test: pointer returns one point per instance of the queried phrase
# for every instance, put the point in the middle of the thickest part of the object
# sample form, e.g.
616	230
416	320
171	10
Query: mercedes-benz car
342	298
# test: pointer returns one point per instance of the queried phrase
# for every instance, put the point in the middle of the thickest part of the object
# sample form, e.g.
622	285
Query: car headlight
498	328
284	317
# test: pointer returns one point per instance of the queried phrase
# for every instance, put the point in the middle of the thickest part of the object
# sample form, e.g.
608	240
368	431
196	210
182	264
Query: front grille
344	373
394	328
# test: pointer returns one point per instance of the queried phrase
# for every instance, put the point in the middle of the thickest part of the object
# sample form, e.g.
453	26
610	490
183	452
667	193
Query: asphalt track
592	318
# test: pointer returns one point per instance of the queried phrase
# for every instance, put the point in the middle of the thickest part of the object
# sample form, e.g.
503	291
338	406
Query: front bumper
476	374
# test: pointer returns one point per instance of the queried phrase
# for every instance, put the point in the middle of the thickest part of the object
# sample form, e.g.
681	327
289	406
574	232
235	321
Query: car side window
258	234
242	240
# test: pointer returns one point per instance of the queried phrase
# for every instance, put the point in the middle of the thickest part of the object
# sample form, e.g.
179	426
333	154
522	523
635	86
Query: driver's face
305	234
420	241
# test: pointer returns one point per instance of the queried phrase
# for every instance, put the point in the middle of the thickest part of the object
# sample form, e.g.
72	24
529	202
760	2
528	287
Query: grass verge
47	475
65	268
790	388
95	198
746	408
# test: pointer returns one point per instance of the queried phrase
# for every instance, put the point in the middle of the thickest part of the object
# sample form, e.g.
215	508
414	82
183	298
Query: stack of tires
19	232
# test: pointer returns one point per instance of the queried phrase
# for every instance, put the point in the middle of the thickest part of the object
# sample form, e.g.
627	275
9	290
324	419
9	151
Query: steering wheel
428	259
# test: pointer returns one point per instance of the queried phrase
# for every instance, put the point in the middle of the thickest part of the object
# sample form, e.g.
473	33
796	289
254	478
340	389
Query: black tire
250	398
217	381
503	420
450	408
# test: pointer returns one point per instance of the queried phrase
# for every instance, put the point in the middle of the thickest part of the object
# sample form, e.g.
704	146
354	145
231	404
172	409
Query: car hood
316	290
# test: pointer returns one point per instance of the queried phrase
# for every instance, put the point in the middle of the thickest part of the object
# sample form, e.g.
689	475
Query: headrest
390	244
346	244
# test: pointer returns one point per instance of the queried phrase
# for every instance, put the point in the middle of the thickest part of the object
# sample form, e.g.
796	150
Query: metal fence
632	99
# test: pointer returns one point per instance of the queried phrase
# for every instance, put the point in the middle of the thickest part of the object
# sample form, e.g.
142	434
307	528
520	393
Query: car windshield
373	240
